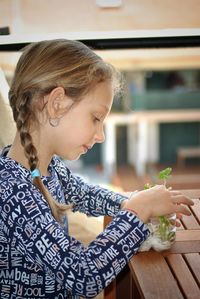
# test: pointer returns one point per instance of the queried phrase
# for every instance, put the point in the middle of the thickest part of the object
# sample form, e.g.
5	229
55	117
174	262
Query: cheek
71	136
76	129
82	127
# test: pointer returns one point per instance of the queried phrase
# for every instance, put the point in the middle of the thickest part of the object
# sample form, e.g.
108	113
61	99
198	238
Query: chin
73	157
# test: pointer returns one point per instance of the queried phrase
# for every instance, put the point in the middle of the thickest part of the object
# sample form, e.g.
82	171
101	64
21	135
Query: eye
97	119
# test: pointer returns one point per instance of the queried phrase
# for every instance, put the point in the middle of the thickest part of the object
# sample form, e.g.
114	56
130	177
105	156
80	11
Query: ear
58	103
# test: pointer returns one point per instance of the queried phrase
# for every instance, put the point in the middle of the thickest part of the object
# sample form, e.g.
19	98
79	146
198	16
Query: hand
177	221
129	195
158	201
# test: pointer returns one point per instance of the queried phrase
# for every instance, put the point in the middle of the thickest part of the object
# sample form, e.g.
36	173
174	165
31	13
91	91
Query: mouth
86	148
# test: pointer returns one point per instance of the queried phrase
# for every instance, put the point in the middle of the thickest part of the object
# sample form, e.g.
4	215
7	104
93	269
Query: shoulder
21	202
19	188
17	192
11	170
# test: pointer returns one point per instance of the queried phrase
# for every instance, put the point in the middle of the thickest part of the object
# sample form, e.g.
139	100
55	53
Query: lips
86	147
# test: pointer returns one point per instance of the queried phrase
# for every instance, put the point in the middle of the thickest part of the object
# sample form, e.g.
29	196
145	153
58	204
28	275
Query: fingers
177	223
175	192
178	216
181	199
182	209
182	202
178	197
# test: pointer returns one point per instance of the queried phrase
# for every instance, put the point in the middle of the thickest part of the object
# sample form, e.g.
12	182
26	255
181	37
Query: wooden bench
173	274
184	153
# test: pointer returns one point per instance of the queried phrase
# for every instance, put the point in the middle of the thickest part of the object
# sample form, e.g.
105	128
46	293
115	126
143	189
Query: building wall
48	16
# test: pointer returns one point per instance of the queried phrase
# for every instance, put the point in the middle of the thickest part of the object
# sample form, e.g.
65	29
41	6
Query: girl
60	96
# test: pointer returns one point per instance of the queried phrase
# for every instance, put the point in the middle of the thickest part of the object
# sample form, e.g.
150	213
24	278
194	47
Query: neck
16	153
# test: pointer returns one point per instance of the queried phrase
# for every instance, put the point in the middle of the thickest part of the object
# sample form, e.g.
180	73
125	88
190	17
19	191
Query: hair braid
23	120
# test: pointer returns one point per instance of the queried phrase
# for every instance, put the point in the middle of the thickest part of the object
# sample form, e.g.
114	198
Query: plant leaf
147	186
165	173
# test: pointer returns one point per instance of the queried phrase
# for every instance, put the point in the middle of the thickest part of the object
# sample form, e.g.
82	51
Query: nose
100	136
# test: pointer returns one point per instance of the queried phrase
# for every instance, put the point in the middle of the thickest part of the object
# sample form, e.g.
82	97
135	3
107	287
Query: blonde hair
42	67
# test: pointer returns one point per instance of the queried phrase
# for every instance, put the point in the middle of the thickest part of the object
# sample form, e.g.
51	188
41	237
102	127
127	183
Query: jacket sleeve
83	270
92	200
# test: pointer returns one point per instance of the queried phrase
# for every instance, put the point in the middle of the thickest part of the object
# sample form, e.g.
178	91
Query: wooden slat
187	241
154	282
193	221
193	260
196	209
110	291
186	247
181	227
188	235
189	222
192	193
184	276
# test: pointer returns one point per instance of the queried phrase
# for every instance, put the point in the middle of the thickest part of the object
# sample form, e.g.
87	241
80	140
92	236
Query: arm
87	198
84	270
155	201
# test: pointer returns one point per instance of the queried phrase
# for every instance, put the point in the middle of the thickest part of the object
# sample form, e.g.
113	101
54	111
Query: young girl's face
82	126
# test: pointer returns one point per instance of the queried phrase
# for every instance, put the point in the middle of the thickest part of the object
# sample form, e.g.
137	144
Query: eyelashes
97	119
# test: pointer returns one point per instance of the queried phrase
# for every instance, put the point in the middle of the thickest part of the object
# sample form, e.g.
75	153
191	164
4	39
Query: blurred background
155	122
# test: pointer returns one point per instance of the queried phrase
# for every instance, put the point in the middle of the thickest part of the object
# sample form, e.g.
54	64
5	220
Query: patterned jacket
38	258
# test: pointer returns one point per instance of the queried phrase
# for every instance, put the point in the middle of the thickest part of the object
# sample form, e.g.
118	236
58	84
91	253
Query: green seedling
165	174
147	186
164	222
